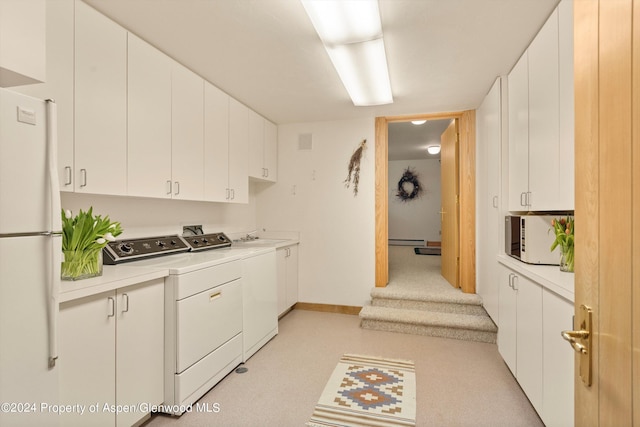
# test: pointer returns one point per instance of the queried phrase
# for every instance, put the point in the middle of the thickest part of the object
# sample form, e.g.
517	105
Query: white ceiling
443	54
409	142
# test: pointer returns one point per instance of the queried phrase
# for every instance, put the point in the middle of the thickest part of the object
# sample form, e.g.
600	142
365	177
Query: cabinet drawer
207	320
207	278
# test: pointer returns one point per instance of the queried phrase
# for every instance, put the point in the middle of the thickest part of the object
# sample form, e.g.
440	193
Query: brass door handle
580	341
572	336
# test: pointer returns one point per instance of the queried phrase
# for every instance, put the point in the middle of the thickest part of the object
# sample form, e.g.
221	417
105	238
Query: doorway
466	176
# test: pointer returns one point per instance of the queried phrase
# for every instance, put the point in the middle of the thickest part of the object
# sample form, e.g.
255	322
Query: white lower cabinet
259	300
287	268
112	354
520	332
531	319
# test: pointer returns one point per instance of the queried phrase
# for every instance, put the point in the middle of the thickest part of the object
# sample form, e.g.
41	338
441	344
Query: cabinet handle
177	185
233	194
528	198
511	280
215	296
112	307
83	177
495	202
523	199
125	300
67	175
515	282
169	189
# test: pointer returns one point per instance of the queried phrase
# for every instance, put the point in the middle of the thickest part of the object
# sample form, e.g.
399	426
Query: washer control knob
195	241
173	243
221	237
126	248
161	243
205	241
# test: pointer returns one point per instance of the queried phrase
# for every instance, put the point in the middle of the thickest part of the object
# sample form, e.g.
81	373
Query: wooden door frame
467	182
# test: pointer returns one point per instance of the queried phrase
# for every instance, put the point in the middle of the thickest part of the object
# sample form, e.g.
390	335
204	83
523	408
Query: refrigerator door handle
55	227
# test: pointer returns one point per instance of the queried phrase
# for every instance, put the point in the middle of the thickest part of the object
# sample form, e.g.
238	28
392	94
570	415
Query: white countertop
127	274
549	276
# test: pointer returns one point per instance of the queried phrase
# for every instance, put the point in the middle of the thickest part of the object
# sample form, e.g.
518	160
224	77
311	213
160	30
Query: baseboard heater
406	242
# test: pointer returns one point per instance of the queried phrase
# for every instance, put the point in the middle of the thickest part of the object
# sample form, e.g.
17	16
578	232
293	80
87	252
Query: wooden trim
328	308
467	189
466	121
635	144
587	213
382	203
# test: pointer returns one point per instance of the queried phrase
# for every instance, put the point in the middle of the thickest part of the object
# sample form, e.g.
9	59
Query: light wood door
607	100
449	211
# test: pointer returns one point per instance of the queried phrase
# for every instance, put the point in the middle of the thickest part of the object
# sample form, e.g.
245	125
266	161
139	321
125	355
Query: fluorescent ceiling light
352	35
418	122
433	149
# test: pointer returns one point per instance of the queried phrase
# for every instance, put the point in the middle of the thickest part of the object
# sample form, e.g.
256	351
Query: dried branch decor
354	168
409	186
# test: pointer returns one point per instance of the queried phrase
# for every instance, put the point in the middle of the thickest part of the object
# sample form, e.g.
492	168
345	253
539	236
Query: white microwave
528	238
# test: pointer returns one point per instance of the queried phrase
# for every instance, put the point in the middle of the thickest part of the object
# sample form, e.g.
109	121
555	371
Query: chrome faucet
249	237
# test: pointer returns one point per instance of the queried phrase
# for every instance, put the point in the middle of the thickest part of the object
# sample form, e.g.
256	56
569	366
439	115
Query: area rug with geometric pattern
368	391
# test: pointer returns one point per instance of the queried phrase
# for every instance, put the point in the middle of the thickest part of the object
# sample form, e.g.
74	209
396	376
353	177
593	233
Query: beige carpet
459	383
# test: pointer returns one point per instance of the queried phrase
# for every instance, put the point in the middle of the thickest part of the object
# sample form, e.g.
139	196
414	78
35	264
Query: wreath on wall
409	186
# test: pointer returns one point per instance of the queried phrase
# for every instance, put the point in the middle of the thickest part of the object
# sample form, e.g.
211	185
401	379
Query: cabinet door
87	359
256	145
139	347
488	172
238	152
22	42
567	117
271	151
149	123
100	103
558	362
187	133
292	275
529	339
508	319
519	134
216	143
59	83
544	167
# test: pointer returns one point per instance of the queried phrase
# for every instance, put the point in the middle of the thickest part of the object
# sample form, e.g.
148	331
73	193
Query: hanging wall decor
409	186
354	168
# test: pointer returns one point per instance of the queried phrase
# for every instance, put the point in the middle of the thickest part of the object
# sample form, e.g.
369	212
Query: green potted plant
83	238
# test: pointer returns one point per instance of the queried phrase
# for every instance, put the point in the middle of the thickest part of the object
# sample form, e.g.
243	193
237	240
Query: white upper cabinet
149	123
270	151
519	134
59	82
216	144
541	119
238	152
567	108
100	103
263	137
544	118
22	42
187	133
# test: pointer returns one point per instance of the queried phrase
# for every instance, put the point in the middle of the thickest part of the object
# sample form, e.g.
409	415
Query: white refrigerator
30	255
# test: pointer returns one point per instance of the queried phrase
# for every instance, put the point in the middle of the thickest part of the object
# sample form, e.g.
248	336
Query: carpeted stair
441	314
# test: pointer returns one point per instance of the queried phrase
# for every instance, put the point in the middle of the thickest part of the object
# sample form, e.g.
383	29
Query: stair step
441	307
420	322
430	296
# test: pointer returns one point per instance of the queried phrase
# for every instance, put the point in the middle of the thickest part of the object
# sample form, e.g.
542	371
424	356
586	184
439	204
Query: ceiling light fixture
352	36
418	122
433	149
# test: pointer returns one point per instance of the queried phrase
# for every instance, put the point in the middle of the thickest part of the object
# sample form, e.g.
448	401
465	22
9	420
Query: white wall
145	217
419	218
337	244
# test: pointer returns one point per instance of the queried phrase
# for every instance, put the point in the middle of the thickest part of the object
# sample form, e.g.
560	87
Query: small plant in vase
83	238
563	229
